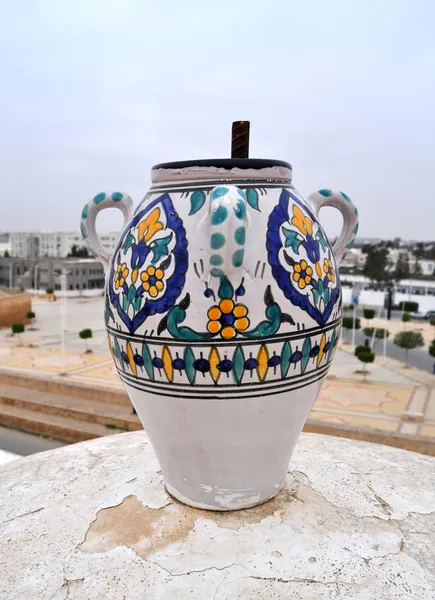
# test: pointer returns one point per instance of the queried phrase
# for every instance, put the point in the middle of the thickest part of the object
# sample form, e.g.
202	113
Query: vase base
219	506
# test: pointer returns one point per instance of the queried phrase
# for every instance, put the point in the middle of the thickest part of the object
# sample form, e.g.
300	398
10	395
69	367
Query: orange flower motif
227	318
303	223
120	275
151	225
302	274
152	280
329	270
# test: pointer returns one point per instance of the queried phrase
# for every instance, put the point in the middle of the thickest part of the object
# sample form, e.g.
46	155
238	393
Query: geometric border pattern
170	368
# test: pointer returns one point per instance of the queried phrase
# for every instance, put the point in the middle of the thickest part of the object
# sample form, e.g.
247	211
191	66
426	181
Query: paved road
418	358
24	444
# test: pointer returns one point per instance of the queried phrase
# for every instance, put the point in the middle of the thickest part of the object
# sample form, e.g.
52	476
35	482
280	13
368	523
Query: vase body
223	312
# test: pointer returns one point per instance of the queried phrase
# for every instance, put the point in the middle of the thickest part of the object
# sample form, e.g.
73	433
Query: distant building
5	244
40	274
59	244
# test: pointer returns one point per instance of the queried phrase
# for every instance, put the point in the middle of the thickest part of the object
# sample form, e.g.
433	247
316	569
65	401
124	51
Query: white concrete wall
371	298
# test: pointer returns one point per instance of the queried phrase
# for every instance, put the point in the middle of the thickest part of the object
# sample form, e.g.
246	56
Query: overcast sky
93	93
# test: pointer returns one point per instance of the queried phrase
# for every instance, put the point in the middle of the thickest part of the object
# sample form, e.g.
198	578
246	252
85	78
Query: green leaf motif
117	350
175	317
321	239
292	240
225	290
197	200
147	361
305	354
319	292
160	248
137	304
131	293
189	359
128	242
268	327
285	359
252	198
331	348
326	295
238	365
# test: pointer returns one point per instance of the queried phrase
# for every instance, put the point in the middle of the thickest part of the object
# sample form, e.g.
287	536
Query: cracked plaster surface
93	521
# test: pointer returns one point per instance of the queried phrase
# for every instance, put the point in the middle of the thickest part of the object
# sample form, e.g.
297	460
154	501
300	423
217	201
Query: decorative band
218	393
283	337
157	365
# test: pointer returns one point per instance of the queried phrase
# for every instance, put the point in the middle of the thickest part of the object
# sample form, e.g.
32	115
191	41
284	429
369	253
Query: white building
56	244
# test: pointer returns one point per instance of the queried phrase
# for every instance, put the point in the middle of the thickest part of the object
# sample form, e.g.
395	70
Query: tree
377	265
6	254
78	251
402	270
86	334
406	317
364	355
432	322
419	250
416	268
432	349
31	315
408	340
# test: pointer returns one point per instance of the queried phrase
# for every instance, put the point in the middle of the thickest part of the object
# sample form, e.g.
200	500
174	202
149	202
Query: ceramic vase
223	311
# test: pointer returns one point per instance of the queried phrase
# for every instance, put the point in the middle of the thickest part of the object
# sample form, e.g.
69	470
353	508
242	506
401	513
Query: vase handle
89	214
227	230
349	213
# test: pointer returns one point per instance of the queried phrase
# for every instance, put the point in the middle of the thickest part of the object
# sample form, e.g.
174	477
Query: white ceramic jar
223	310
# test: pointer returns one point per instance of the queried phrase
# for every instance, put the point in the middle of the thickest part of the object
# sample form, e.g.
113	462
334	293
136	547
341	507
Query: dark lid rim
225	163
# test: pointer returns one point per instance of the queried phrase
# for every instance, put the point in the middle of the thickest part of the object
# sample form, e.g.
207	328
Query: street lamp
10	274
35	284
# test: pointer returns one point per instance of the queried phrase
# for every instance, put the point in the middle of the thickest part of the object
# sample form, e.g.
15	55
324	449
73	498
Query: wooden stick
240	139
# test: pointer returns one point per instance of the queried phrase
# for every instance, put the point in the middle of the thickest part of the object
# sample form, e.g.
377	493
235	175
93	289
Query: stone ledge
92	520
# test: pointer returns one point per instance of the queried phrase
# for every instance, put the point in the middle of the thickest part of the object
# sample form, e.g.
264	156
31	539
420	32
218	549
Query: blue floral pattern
150	263
301	261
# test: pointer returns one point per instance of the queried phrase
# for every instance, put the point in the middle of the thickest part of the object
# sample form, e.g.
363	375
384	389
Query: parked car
423	314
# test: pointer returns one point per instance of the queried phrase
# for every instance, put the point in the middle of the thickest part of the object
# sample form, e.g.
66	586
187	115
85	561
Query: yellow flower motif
227	318
151	225
319	270
329	270
120	275
152	280
302	274
303	223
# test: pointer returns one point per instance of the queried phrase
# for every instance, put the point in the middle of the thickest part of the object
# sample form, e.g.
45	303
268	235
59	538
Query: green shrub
49	291
432	322
30	315
86	334
17	328
432	349
369	313
406	317
364	355
348	323
380	333
409	306
362	350
347	307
